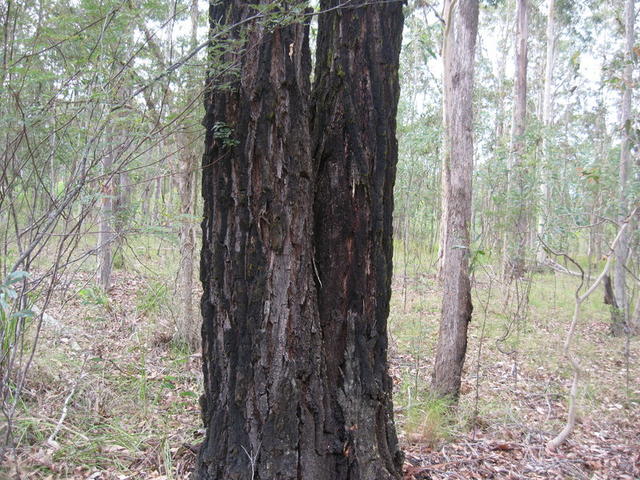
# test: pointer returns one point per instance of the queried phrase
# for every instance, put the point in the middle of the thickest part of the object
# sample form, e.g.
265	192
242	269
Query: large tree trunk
514	262
622	248
356	94
458	54
291	392
261	335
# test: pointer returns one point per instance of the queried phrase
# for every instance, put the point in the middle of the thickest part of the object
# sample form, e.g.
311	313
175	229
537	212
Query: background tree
547	120
461	29
516	239
621	306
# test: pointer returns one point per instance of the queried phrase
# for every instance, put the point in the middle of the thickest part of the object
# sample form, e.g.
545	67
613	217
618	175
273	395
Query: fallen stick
65	407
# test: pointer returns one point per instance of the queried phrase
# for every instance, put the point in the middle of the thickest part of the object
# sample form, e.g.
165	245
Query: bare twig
65	407
554	443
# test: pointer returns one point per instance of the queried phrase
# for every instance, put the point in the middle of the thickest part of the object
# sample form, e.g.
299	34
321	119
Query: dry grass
521	382
134	413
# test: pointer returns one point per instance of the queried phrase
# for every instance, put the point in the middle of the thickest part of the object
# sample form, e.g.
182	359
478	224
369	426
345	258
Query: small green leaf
15	277
23	314
188	393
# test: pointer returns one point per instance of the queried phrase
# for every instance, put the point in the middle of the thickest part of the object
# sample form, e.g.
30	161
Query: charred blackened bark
355	152
263	373
295	354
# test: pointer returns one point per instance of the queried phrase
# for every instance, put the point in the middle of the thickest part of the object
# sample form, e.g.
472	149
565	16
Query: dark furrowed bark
355	152
290	394
261	348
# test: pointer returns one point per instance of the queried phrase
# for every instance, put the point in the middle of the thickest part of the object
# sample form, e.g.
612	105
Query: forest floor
110	396
515	386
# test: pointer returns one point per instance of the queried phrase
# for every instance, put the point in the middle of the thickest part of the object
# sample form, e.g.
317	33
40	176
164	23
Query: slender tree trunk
295	371
158	201
458	54
106	234
622	249
498	225
547	120
187	328
593	218
634	320
514	264
121	213
406	215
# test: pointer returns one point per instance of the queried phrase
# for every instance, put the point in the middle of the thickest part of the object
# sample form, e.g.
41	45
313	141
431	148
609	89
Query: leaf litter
136	413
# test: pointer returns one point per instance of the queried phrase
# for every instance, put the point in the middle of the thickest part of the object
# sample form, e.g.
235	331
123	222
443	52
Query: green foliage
13	319
224	133
150	300
93	295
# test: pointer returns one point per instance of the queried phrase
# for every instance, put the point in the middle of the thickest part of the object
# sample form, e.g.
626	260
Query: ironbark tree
294	349
263	374
355	101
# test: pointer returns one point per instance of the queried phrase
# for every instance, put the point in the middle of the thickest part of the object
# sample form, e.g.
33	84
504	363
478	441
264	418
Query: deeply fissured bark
294	348
261	343
355	151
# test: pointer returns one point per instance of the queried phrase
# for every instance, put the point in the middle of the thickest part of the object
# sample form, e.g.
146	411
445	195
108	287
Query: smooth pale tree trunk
621	252
495	228
356	94
516	239
121	205
502	80
158	204
461	32
547	121
595	231
295	368
635	318
106	233
187	330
